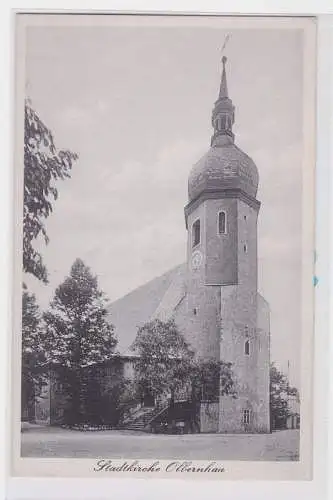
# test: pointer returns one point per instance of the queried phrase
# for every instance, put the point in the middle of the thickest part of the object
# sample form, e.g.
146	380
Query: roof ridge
170	288
170	271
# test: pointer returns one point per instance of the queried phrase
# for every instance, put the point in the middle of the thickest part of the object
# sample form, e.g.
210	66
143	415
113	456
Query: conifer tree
79	334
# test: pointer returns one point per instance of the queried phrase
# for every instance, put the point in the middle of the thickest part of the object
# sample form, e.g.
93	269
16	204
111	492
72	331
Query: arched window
247	347
223	122
222	223
228	124
196	233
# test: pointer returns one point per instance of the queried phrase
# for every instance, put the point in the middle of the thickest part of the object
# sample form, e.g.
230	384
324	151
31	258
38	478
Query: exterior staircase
140	419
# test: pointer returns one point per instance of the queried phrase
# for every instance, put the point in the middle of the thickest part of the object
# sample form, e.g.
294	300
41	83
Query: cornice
216	194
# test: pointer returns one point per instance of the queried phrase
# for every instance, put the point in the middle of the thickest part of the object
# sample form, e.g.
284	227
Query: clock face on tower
196	259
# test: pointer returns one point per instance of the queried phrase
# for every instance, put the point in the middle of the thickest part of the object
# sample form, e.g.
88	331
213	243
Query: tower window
247	347
196	233
223	121
222	223
246	416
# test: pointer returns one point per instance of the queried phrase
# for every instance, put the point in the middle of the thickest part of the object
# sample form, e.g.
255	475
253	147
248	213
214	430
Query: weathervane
226	40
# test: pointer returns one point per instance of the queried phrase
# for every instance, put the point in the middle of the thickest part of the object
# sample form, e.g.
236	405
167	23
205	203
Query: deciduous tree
43	166
165	358
280	390
168	364
210	379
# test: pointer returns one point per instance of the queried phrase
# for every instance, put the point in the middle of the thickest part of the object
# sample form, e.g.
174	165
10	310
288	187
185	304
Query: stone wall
220	311
239	326
263	366
201	312
209	417
221	263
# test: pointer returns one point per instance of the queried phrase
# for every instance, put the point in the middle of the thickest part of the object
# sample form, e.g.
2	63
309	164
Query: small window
195	311
246	330
196	233
245	248
244	217
228	124
223	122
247	347
246	416
222	223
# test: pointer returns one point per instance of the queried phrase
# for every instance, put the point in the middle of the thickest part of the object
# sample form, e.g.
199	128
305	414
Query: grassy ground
54	442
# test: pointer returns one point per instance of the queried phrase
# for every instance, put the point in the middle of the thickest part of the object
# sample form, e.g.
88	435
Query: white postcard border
320	169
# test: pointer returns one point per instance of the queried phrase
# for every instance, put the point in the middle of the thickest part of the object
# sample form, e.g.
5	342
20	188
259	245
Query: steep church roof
156	299
159	298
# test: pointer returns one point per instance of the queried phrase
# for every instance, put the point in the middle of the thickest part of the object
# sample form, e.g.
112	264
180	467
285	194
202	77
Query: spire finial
223	87
226	40
223	113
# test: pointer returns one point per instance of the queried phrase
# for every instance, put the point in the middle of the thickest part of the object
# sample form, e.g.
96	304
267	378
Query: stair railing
160	410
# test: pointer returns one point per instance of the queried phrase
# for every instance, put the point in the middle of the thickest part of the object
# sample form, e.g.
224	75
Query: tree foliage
78	330
211	378
167	364
102	402
33	355
164	357
43	166
79	333
280	391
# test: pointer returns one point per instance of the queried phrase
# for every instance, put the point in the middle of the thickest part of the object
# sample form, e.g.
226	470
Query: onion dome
224	166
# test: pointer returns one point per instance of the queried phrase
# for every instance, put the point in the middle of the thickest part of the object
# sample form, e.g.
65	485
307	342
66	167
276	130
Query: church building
213	297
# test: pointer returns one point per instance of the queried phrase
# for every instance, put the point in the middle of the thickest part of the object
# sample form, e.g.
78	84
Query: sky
135	103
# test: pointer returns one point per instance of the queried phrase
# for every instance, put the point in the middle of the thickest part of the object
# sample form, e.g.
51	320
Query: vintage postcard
164	246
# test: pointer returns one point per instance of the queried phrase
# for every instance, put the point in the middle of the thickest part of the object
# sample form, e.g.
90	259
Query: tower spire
223	113
223	87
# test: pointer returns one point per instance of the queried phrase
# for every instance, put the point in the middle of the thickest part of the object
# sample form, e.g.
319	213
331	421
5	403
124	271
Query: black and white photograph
164	280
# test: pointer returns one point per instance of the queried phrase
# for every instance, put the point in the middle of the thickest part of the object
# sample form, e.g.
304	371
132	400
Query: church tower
222	298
